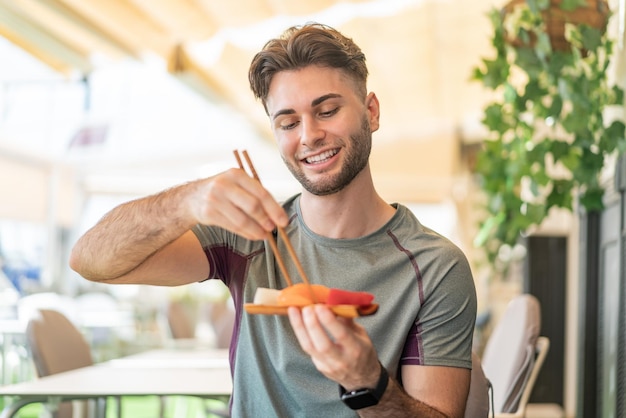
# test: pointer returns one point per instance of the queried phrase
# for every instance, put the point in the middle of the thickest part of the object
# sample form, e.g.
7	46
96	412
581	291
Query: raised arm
149	240
341	349
426	391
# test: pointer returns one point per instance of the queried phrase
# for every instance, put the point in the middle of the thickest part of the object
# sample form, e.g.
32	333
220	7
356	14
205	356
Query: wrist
366	397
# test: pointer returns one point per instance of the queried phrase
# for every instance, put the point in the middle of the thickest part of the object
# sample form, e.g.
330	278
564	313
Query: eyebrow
314	103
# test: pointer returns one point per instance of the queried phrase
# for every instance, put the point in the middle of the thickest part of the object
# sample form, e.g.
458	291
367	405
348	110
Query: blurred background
103	101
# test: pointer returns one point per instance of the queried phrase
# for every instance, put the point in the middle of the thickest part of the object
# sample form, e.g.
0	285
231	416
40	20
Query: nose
311	133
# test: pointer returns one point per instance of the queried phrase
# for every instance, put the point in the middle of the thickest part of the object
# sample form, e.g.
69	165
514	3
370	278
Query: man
413	357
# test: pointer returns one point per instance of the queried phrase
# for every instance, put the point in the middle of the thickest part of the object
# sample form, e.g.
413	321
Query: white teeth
321	157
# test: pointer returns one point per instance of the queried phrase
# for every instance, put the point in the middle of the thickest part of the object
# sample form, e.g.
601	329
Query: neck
353	212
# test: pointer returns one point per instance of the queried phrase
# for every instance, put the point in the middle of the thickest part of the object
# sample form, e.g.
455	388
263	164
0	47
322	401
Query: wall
36	191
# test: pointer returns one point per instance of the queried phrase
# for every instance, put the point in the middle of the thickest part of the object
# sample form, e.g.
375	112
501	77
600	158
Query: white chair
541	351
514	355
57	346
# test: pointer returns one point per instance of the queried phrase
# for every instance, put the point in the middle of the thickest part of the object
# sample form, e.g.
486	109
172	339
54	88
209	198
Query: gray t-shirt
421	281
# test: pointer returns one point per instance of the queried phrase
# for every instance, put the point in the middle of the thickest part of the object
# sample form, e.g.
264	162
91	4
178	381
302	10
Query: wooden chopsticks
281	232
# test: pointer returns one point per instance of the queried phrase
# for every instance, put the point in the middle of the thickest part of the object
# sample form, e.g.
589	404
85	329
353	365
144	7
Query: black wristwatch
362	398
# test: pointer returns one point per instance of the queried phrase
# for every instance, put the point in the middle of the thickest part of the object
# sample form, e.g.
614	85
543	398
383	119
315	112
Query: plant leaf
591	199
547	124
591	37
570	5
561	195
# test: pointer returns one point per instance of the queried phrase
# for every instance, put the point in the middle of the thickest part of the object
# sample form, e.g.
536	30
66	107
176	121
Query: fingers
324	337
297	323
315	341
258	203
339	347
310	332
239	203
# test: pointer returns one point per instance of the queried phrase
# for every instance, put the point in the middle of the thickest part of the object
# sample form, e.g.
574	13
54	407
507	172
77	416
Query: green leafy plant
548	131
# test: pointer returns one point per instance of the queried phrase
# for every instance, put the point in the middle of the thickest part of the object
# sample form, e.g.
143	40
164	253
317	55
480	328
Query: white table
200	373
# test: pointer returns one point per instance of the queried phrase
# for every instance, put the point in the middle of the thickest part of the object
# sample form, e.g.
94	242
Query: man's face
323	128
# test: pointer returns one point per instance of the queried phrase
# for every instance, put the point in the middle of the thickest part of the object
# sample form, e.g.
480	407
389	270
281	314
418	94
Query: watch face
362	398
359	399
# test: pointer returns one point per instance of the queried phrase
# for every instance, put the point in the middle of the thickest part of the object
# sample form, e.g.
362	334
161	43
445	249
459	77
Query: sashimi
345	303
347	297
266	296
300	295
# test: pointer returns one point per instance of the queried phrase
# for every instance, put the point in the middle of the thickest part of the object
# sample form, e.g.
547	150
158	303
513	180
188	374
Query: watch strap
363	398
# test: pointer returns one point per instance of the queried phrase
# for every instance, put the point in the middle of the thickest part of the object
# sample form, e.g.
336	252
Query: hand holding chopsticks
281	232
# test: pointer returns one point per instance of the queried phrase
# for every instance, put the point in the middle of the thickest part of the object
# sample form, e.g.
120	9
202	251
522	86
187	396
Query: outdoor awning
420	54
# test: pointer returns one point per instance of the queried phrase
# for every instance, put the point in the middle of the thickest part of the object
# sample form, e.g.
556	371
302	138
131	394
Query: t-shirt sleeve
443	330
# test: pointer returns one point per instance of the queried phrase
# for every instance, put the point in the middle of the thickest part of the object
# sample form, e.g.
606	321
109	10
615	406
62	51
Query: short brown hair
301	46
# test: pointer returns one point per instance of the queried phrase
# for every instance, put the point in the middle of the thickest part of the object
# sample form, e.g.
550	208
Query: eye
287	123
287	126
329	113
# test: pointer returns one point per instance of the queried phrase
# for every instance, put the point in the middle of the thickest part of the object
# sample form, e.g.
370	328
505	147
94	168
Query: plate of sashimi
345	303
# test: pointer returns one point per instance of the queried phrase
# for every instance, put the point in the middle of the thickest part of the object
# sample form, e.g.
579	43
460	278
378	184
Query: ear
373	108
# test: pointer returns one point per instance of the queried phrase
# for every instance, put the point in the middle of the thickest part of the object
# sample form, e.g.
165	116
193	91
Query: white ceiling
168	80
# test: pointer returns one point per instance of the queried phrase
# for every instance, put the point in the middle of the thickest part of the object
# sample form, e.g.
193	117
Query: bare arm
149	240
428	391
347	355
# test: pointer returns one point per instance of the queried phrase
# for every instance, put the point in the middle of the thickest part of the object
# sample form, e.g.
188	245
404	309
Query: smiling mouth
320	158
